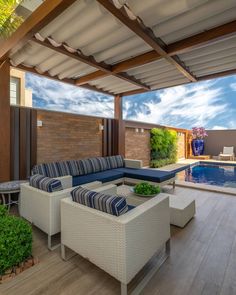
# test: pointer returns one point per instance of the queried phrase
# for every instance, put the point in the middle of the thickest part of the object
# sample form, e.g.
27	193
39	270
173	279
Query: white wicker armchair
43	209
122	245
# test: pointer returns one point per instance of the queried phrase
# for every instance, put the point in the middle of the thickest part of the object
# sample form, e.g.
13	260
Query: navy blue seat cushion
114	205
130	207
104	176
146	174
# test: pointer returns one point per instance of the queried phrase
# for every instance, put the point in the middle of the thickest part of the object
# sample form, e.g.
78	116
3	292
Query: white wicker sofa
42	208
121	245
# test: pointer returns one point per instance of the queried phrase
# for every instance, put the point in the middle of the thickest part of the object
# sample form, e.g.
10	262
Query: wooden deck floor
203	260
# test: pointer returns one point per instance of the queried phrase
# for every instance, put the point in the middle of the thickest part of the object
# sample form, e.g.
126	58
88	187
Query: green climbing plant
163	147
9	20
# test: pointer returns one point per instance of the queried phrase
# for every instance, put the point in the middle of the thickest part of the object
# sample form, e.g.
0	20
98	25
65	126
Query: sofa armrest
147	229
42	208
66	181
130	163
129	240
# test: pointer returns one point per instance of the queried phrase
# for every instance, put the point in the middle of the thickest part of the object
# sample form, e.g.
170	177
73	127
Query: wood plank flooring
203	259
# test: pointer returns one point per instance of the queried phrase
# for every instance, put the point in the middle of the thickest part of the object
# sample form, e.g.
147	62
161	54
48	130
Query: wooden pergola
119	48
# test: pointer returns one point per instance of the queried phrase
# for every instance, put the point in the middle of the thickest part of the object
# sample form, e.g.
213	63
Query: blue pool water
213	174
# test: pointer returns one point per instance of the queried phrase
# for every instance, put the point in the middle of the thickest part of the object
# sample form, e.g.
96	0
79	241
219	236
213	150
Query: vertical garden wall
163	143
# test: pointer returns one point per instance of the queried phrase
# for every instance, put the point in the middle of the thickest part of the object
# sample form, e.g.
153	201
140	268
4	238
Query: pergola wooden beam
217	75
175	48
42	16
89	60
147	35
66	80
200	39
122	66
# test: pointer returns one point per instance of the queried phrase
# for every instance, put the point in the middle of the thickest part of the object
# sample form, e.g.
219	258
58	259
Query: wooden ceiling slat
147	35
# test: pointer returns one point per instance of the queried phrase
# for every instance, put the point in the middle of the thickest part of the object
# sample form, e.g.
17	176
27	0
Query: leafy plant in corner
15	240
163	147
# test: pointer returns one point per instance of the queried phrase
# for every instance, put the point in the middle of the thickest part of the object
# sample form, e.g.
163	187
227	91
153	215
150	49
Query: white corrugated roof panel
173	20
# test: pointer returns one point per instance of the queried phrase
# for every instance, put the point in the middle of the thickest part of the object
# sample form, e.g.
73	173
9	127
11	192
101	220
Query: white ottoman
182	209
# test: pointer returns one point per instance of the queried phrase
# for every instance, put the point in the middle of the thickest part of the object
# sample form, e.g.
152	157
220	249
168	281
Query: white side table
9	188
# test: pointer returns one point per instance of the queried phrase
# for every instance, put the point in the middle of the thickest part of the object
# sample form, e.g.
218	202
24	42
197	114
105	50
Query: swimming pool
210	173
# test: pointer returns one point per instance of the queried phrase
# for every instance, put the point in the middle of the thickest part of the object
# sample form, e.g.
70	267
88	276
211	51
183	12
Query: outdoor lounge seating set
51	203
104	169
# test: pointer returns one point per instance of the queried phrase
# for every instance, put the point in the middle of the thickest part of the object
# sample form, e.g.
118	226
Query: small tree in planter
15	240
197	144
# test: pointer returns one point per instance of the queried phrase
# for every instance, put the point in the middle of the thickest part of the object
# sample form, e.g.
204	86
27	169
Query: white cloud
64	97
216	127
233	86
193	104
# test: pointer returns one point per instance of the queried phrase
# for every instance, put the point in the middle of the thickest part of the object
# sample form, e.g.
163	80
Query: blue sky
211	104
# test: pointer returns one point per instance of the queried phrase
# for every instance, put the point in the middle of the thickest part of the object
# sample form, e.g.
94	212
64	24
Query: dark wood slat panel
28	143
109	139
23	138
104	139
13	142
33	144
5	122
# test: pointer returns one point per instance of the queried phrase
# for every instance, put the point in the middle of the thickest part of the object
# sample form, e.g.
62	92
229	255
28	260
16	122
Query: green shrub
145	188
15	240
163	147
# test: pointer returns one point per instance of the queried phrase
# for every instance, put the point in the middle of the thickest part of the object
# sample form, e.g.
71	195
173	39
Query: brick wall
137	145
67	136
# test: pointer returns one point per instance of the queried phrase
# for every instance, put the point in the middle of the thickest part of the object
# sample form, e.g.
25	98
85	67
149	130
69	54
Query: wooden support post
5	133
118	114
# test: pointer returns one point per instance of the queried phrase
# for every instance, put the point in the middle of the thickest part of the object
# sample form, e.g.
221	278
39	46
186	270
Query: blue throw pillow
114	205
45	183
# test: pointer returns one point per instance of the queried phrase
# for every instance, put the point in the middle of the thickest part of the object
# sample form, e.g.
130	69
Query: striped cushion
45	183
116	161
103	163
63	168
47	169
113	205
73	167
93	165
85	166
